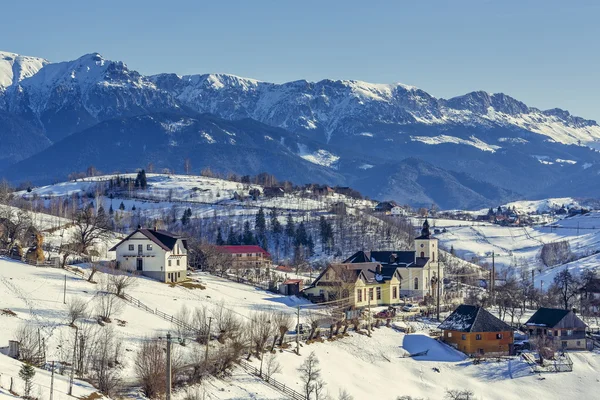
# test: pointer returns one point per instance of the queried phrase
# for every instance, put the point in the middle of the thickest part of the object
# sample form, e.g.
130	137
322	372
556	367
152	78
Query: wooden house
561	327
476	332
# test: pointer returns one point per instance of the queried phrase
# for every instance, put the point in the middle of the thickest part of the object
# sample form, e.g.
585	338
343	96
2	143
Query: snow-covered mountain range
352	132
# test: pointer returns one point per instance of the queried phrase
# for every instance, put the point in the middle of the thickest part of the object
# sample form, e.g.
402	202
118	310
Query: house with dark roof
561	327
476	332
362	284
418	269
157	254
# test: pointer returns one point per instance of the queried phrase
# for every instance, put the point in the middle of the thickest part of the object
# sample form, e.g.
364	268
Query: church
384	277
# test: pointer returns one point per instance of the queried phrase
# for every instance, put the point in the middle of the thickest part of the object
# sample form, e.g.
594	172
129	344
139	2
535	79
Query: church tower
427	247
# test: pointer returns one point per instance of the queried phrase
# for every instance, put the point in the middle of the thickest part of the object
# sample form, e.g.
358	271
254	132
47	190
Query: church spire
425	233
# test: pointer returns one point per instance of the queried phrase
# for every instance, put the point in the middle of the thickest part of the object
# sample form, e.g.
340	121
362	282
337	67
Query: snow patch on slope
441	139
319	157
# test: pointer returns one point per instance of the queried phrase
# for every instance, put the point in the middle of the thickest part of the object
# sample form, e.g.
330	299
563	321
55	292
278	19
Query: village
422	293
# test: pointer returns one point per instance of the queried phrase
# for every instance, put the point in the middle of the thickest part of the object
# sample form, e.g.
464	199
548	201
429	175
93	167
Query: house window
394	292
169	263
432	256
370	293
179	274
578	343
498	336
478	337
449	334
416	283
178	263
422	254
359	294
378	293
564	344
556	333
327	275
131	247
148	247
570	332
480	351
464	337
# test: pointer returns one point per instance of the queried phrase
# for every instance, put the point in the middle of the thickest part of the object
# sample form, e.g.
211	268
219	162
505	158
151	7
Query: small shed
291	287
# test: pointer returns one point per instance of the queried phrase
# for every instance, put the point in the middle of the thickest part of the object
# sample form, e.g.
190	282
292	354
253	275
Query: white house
154	253
398	211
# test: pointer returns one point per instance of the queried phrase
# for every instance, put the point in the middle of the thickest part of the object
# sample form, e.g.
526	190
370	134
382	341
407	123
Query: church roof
388	258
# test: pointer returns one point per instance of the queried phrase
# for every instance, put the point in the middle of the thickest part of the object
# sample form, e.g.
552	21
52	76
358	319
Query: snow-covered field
519	247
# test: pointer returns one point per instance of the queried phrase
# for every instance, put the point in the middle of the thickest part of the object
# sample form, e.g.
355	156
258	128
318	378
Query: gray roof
552	317
166	240
468	318
388	258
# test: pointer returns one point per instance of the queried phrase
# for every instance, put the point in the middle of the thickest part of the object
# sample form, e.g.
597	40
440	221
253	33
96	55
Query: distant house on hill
561	327
322	190
385	206
398	211
476	332
154	253
291	287
273	191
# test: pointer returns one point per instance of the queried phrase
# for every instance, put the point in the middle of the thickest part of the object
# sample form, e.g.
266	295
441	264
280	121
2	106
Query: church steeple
425	233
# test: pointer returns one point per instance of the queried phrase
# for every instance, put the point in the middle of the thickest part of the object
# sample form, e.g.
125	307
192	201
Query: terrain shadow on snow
436	351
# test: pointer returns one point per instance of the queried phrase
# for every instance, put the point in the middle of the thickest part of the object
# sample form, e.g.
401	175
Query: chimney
378	269
139	226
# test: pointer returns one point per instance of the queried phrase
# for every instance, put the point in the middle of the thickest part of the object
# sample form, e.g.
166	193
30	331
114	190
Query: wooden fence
175	321
289	392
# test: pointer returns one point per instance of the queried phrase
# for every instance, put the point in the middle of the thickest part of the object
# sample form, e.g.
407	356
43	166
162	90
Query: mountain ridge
349	130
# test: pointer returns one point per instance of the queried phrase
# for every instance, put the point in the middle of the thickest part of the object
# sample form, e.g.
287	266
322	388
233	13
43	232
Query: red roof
292	281
244	249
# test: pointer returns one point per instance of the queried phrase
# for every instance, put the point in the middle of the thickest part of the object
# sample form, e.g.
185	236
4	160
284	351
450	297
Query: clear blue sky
543	52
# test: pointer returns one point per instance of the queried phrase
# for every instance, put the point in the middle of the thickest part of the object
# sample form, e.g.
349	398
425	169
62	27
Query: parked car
411	308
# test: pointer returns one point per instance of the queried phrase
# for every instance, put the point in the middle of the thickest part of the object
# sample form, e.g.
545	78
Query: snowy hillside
364	367
14	68
519	247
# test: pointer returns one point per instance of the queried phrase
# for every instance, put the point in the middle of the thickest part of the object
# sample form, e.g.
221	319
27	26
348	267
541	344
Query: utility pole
73	363
168	372
52	382
65	291
493	280
207	340
298	332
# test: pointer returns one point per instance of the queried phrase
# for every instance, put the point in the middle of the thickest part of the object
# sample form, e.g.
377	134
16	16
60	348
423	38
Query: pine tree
310	245
27	372
140	180
133	208
110	210
220	241
301	236
121	206
232	239
289	227
248	238
101	213
260	223
187	215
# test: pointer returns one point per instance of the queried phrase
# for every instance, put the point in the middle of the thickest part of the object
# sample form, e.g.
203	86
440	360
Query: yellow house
363	284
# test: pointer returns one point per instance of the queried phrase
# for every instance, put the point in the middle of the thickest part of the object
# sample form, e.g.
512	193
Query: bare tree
88	229
227	323
105	369
567	286
262	329
454	394
14	223
30	347
107	304
121	280
150	365
187	166
272	366
282	322
310	373
76	308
